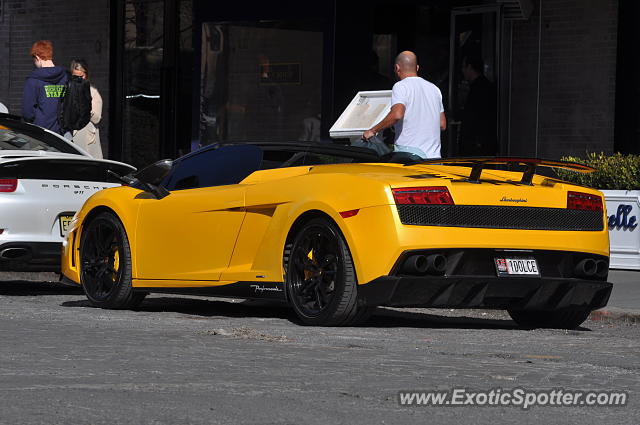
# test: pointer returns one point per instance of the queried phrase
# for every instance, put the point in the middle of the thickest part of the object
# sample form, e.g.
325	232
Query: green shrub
613	172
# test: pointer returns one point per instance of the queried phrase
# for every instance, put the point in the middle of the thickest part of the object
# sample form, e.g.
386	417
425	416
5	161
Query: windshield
23	137
214	166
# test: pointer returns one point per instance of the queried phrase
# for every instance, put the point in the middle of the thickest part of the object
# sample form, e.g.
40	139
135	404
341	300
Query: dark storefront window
143	55
260	81
627	115
473	98
195	72
185	76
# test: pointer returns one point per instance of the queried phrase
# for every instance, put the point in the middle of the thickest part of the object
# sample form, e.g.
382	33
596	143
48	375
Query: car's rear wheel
320	280
105	264
565	319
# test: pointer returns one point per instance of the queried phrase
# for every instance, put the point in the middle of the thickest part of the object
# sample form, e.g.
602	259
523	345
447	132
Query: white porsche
44	180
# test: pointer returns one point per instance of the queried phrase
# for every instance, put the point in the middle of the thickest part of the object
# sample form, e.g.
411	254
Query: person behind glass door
478	132
416	111
88	138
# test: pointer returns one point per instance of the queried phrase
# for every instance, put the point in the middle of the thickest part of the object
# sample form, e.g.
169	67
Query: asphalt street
198	360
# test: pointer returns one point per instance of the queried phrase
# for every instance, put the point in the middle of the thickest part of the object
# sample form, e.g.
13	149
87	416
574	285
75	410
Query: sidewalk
626	289
624	303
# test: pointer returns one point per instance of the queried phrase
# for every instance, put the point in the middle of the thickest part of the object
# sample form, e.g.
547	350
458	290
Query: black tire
105	264
321	281
136	299
565	319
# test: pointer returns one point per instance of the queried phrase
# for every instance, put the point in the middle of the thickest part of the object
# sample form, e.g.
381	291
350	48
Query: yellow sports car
335	231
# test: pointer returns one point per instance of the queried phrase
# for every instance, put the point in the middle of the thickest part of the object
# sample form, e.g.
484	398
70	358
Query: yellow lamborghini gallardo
335	231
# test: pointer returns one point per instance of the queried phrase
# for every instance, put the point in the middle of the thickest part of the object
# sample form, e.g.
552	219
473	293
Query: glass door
261	80
142	75
474	66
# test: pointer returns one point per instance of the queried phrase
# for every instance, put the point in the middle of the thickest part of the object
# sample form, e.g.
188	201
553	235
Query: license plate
517	267
64	220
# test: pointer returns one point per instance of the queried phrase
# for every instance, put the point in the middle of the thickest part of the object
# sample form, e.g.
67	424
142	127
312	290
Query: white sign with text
623	216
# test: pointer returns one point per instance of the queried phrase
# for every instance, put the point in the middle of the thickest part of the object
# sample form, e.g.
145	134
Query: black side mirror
154	173
151	176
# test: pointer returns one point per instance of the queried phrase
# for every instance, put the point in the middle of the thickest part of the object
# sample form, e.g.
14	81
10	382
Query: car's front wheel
320	279
564	319
105	264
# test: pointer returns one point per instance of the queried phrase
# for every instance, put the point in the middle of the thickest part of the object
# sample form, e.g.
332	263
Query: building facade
177	74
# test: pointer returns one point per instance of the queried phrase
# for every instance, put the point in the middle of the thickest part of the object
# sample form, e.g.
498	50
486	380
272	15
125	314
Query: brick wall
577	43
76	28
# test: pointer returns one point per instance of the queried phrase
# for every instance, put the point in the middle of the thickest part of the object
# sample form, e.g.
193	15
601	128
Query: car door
190	234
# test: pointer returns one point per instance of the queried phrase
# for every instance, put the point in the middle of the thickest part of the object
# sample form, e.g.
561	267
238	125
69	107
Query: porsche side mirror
151	177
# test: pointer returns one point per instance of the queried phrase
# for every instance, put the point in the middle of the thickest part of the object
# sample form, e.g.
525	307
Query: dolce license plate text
517	266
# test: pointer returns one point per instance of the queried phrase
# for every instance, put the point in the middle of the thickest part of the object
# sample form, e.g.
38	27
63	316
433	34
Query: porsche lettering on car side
336	230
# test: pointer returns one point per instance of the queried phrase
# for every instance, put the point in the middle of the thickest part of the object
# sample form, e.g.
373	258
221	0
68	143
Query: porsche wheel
568	319
105	264
320	280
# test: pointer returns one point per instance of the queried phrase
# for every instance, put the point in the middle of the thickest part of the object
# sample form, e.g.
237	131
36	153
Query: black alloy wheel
105	264
320	277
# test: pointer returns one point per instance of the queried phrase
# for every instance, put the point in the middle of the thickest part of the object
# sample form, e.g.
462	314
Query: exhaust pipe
586	268
602	269
416	264
14	253
419	264
436	264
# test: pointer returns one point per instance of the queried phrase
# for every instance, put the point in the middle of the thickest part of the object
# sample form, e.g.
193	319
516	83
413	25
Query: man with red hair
43	88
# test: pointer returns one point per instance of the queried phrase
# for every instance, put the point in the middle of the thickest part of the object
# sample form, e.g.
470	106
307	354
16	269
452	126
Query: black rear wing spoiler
478	163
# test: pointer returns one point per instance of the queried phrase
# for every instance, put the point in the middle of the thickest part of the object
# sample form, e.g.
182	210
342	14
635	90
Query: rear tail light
584	201
432	195
8	185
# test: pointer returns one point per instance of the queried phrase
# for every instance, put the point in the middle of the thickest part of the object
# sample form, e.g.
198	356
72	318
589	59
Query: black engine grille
497	217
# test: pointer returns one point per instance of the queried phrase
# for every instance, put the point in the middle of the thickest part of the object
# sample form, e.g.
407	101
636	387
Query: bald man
416	111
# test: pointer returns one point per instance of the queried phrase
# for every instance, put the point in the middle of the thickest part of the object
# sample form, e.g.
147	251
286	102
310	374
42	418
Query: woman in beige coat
88	138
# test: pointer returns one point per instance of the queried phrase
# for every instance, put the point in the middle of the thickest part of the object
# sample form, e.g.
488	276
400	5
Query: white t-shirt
420	127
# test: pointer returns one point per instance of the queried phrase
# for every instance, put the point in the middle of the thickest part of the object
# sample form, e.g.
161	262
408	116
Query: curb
618	315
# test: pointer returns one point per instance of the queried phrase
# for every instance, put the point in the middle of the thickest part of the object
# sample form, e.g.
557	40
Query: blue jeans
410	149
